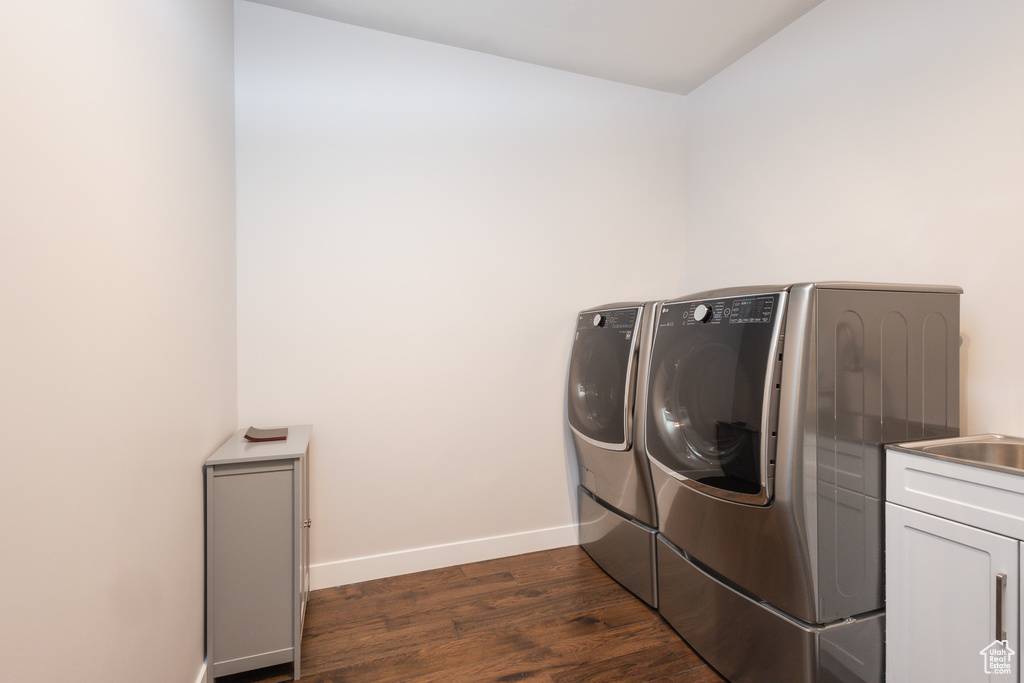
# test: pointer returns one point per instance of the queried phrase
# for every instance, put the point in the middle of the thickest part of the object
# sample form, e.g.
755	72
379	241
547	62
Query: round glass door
706	394
600	376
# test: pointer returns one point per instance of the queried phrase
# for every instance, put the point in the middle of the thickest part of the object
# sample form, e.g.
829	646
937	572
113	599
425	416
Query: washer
616	500
767	412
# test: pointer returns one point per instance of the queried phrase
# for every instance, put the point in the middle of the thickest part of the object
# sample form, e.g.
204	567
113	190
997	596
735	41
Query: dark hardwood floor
550	616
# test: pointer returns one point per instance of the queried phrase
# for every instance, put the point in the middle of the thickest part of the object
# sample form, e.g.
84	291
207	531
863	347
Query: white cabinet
953	561
941	596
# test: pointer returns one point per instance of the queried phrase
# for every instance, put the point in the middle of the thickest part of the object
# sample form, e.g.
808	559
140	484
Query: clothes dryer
617	513
767	412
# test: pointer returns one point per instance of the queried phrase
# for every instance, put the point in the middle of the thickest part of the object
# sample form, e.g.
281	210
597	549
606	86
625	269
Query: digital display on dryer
620	321
623	322
751	310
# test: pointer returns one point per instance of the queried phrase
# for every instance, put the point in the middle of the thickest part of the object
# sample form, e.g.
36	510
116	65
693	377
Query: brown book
278	434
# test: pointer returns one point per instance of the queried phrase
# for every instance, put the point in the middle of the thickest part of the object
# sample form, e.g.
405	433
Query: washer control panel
710	312
756	309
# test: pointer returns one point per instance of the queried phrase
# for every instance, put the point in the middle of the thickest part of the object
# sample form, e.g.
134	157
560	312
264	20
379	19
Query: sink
991	451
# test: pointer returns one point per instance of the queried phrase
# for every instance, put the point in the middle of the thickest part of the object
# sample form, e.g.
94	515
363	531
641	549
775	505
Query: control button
599	320
703	313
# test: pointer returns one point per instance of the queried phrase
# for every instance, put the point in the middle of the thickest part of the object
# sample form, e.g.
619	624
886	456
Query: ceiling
669	45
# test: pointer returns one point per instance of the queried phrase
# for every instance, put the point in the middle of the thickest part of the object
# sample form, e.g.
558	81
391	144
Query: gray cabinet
257	552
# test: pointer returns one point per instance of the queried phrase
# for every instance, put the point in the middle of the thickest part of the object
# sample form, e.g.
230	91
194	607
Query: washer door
712	365
601	379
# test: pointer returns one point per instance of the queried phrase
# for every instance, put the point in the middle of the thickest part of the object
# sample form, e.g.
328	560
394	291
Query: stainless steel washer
766	415
616	499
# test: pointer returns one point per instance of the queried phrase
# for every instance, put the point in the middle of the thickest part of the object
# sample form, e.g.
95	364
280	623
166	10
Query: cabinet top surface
238	450
988	451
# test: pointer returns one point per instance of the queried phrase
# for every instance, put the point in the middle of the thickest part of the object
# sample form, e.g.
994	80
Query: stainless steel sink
991	451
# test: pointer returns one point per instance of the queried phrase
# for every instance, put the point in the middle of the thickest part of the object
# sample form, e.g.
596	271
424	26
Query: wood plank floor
551	616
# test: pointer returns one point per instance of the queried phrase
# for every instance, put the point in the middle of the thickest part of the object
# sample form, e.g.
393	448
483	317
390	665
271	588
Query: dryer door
710	391
601	376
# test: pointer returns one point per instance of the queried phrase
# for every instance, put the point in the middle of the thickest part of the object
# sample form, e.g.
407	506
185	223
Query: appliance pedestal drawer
750	642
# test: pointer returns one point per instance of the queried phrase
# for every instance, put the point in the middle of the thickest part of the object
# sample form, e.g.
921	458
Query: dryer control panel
621	321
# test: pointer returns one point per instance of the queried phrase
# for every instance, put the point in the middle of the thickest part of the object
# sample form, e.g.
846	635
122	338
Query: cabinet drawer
971	495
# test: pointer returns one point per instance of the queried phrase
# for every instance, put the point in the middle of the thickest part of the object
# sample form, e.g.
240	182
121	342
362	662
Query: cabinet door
251	568
941	598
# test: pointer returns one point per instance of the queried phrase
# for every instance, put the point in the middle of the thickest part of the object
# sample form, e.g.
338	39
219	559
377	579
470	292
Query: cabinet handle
1000	589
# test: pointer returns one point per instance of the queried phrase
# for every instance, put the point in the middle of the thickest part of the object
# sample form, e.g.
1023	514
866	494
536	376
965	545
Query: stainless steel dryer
616	500
766	414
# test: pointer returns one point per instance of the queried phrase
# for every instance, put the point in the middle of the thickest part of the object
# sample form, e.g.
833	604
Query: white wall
417	227
877	140
117	330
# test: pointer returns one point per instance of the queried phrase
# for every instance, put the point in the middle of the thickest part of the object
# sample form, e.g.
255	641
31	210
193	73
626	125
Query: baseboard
372	567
